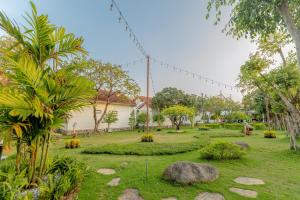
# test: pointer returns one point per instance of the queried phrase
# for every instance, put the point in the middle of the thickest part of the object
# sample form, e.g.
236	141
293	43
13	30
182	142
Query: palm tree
40	95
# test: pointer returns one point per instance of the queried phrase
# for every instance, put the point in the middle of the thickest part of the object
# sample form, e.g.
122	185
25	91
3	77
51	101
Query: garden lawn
268	159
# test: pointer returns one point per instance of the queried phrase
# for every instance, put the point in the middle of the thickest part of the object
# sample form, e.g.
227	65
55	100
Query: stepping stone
209	196
114	182
130	194
249	181
169	198
106	171
244	193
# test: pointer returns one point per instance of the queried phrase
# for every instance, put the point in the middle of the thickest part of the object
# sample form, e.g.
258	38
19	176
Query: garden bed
147	149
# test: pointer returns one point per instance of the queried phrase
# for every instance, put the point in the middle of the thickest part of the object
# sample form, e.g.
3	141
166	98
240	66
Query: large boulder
243	145
185	172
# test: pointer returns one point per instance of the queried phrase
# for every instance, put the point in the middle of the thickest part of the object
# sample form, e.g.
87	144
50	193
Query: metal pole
148	71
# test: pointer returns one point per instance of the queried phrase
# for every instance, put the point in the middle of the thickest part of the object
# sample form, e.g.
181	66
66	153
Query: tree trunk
292	28
97	121
34	152
268	112
18	156
46	153
42	156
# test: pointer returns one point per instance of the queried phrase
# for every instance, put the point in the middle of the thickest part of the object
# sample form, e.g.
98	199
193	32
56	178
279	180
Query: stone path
106	171
169	198
114	182
130	194
209	196
244	193
249	181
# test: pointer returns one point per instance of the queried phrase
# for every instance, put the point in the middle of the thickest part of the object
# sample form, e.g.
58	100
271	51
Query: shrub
222	151
224	134
259	126
64	175
213	126
73	143
269	134
147	138
203	128
234	126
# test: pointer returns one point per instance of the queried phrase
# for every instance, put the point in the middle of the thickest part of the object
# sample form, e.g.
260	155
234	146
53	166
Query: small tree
132	120
109	118
141	119
159	118
177	114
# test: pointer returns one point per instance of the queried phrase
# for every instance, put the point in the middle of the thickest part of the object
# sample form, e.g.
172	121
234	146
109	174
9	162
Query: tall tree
110	81
253	18
178	113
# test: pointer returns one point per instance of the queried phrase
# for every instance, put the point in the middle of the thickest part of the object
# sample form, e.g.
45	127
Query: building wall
84	119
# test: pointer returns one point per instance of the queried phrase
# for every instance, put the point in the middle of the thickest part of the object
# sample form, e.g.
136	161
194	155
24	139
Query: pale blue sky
174	31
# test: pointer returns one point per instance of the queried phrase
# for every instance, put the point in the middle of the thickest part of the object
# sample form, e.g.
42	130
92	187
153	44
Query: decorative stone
114	182
169	198
209	196
249	181
106	171
244	193
185	172
130	194
242	144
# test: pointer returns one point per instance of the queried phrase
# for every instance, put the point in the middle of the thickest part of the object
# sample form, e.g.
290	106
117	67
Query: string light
121	19
207	80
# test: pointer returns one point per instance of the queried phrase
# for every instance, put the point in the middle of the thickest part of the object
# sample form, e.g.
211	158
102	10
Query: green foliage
159	118
213	125
234	126
147	149
64	175
203	128
238	115
73	143
269	134
132	120
12	184
177	113
222	151
259	126
148	137
141	118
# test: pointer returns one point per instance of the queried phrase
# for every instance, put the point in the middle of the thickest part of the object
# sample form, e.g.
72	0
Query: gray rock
114	182
209	196
242	144
130	194
249	181
106	171
185	172
244	193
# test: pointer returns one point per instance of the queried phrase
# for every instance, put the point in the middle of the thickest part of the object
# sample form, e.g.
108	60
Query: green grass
147	149
269	160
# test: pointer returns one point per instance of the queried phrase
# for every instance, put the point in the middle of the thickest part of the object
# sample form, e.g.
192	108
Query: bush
203	128
224	134
147	138
222	151
259	126
73	143
269	134
148	149
213	126
234	126
64	175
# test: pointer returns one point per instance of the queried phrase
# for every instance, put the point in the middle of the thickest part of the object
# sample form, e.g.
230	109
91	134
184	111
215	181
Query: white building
83	121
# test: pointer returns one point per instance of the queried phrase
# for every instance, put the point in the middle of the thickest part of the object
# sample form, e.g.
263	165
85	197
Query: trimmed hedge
148	149
213	125
234	126
222	151
259	126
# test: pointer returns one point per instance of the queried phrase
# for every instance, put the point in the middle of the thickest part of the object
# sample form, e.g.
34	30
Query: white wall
85	121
